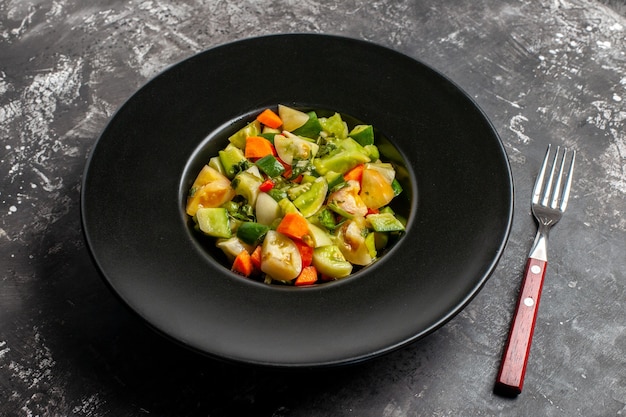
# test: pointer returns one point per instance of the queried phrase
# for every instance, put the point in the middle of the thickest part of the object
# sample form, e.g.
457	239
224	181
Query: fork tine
540	177
554	180
568	184
556	194
550	181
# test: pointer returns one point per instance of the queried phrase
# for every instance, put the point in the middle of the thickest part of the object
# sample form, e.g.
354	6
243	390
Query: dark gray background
544	71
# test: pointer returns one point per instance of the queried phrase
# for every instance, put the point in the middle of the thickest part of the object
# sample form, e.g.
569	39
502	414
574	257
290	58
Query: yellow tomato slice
347	199
210	189
375	192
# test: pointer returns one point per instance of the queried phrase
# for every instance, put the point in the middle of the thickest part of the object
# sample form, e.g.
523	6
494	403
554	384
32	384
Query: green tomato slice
280	258
311	201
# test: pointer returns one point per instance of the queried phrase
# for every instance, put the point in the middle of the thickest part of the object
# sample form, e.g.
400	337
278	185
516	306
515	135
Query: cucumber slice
251	232
269	132
328	260
397	188
312	127
372	152
380	240
334	179
270	165
239	138
232	247
364	134
213	221
385	222
247	186
341	162
231	158
335	126
286	206
216	164
370	243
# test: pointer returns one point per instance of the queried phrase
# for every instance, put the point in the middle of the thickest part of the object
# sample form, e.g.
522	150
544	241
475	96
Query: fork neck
539	249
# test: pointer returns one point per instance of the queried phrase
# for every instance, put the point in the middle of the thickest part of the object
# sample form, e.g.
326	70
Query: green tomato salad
297	199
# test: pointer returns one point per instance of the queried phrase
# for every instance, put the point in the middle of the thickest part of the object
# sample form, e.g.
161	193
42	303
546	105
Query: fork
549	200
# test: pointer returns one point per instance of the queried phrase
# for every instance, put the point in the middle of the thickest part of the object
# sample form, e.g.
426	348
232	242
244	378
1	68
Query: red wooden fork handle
513	367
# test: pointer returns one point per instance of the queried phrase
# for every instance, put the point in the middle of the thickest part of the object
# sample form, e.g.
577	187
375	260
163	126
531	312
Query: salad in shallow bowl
298	199
340	201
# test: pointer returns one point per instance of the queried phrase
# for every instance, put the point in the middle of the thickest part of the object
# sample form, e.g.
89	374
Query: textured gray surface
543	71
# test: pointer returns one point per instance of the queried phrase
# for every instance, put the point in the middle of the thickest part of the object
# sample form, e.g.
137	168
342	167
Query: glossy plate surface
459	198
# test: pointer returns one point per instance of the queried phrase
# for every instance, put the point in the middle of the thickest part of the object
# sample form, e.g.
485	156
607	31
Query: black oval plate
133	216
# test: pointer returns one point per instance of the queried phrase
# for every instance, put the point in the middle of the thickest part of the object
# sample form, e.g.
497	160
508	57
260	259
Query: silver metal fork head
550	196
553	185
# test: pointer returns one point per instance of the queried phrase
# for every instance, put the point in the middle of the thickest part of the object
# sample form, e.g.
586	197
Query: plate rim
366	356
